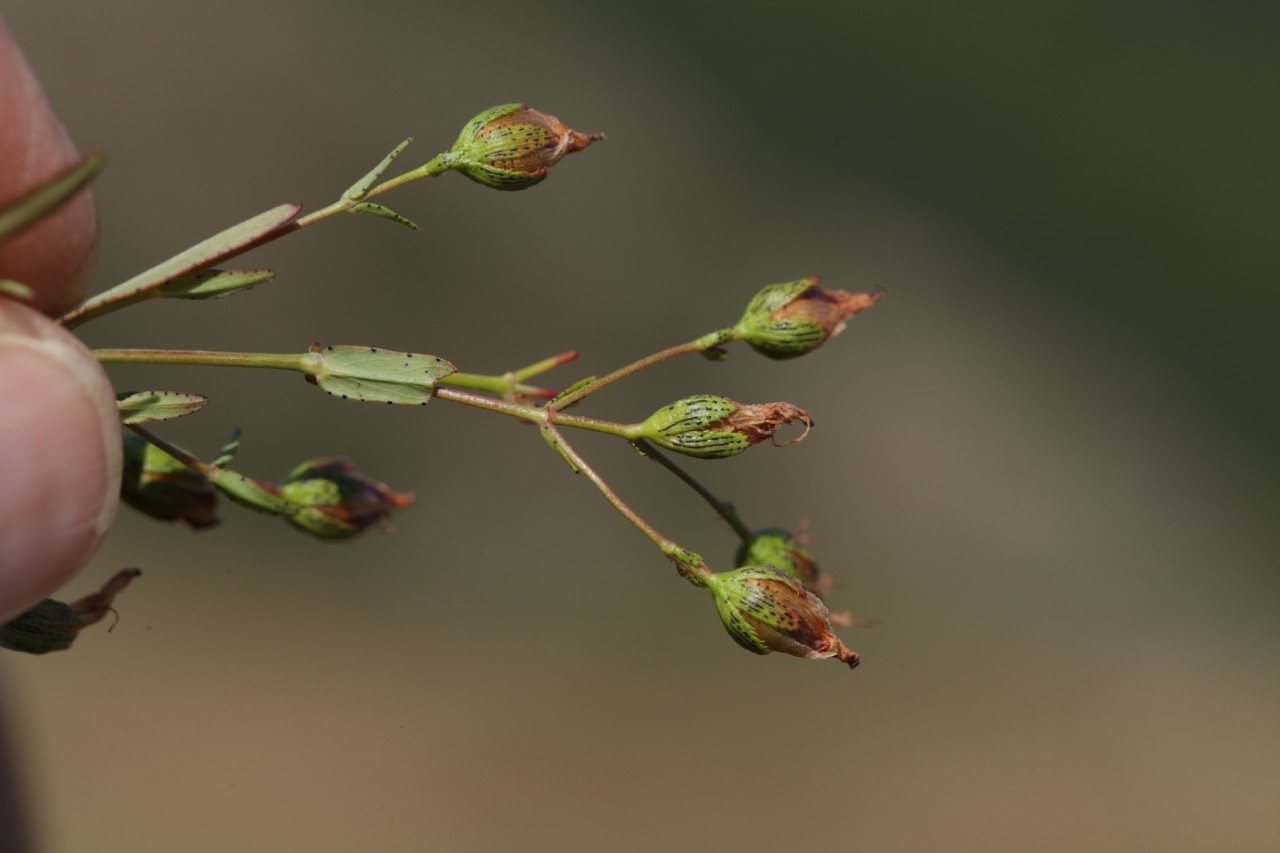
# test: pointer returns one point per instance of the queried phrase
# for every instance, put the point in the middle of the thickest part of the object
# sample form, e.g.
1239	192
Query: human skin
59	434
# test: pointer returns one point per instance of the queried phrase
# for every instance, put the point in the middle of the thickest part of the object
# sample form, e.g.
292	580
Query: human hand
59	432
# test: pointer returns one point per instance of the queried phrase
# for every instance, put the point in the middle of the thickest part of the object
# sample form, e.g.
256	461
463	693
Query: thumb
59	456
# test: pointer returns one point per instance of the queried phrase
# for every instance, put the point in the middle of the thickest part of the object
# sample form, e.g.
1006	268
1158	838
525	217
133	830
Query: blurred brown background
1048	457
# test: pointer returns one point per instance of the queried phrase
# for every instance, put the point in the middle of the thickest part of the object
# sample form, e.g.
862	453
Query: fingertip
56	256
60	454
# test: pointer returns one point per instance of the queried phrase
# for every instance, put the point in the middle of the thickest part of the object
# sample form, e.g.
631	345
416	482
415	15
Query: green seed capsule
711	427
330	499
790	319
692	426
52	626
767	610
512	147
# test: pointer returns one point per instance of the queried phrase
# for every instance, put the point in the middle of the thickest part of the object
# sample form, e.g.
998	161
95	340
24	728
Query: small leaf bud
158	485
330	499
767	610
512	147
52	626
790	319
711	427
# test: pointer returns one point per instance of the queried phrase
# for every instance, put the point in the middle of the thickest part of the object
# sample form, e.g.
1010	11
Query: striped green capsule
696	426
52	626
711	427
767	610
513	147
790	319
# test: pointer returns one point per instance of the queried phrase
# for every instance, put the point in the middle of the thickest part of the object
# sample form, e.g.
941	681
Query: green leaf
581	383
45	199
139	407
226	244
370	209
16	289
211	284
373	375
361	187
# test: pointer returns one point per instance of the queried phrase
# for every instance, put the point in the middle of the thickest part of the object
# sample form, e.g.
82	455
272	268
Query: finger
55	256
59	456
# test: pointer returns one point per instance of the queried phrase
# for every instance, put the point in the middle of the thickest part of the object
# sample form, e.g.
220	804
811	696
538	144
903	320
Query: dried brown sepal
828	309
95	606
758	421
796	317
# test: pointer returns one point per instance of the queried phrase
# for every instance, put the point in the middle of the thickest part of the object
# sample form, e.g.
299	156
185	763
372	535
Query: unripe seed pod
790	319
160	486
767	610
512	147
52	626
330	499
712	427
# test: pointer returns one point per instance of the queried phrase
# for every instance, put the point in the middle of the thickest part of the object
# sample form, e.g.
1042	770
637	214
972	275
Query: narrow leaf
373	375
581	383
228	451
16	289
370	209
226	244
211	284
140	407
361	187
46	198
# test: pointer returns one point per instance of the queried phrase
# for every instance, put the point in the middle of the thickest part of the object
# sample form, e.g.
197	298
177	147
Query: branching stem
702	344
302	363
690	565
724	509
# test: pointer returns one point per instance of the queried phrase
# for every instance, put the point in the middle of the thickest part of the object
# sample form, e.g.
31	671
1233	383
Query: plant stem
702	344
172	449
537	414
300	362
432	168
723	508
690	565
270	360
233	242
511	385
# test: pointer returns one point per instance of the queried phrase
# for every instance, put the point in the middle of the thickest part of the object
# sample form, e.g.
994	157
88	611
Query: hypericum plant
771	600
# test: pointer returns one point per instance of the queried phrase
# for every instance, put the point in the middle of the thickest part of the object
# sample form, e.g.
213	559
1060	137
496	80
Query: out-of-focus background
1048	457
